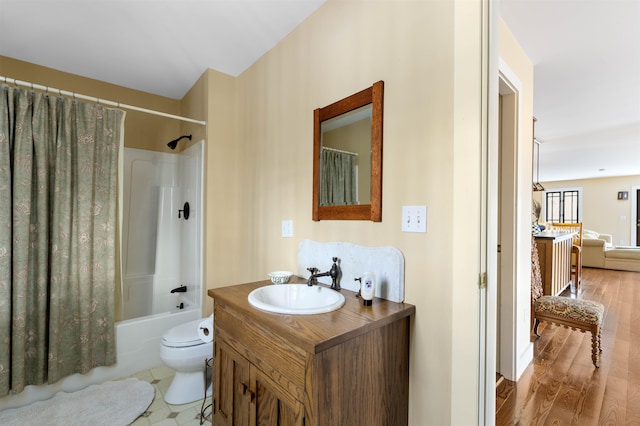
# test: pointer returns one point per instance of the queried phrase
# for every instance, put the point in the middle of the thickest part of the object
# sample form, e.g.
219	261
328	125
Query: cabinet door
273	406
231	396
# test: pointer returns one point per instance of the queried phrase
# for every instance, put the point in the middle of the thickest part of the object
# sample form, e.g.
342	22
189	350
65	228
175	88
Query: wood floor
561	386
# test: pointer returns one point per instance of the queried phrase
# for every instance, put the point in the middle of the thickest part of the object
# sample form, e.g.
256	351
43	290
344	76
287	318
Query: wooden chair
576	250
577	314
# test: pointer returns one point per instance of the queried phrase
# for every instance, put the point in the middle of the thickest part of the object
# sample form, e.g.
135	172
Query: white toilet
182	350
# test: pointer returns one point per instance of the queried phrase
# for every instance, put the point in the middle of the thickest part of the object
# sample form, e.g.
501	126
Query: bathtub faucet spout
181	289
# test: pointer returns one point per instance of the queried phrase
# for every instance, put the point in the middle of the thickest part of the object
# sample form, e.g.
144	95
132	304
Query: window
563	205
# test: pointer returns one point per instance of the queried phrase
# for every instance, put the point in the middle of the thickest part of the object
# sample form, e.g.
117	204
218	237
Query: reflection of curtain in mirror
337	178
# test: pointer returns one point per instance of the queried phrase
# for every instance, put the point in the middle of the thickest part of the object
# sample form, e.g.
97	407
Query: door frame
634	215
488	212
509	87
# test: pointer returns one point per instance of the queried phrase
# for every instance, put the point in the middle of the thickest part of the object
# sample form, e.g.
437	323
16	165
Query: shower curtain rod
339	150
99	101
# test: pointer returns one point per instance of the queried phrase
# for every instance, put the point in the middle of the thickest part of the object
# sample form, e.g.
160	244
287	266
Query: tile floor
162	414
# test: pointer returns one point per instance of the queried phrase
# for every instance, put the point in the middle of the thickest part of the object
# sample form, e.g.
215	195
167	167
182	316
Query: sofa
599	252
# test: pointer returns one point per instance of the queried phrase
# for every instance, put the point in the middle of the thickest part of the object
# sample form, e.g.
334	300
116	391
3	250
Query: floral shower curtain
58	186
337	178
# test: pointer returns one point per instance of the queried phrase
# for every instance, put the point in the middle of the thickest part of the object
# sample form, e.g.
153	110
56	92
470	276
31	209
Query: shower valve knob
185	211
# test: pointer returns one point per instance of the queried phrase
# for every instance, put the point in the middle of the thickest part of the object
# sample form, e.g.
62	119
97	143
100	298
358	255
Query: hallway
561	386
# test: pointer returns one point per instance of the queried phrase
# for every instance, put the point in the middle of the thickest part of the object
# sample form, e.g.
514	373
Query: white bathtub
138	349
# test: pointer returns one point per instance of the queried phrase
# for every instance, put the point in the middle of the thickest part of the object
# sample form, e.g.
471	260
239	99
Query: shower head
174	142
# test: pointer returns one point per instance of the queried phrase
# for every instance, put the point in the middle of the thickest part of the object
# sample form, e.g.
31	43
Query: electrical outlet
287	228
414	218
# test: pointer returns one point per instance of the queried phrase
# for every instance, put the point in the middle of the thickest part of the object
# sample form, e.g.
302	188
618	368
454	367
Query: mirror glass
347	163
345	159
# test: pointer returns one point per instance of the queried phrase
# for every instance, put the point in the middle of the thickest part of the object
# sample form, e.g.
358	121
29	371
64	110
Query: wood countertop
318	332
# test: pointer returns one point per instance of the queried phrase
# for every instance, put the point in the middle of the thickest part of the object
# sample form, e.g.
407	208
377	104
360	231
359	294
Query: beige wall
601	209
431	157
223	257
142	130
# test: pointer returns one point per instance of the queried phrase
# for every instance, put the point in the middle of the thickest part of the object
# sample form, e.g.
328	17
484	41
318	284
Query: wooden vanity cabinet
347	367
246	396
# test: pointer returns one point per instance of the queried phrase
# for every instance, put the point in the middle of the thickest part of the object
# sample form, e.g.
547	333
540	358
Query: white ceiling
586	55
157	46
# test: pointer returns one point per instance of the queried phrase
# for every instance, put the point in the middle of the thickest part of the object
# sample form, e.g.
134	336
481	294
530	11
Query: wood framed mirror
347	157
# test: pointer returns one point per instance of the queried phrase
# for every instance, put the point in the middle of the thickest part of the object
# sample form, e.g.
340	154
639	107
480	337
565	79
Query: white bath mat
109	404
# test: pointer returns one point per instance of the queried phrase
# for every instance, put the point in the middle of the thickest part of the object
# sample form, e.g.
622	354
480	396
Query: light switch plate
287	228
414	218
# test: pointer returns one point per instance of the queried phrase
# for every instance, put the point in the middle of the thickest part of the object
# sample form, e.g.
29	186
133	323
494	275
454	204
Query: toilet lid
183	335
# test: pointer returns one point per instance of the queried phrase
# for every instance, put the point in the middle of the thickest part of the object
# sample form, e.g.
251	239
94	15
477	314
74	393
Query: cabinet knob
245	389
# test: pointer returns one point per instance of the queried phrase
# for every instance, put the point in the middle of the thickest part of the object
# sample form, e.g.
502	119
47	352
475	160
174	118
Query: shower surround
161	249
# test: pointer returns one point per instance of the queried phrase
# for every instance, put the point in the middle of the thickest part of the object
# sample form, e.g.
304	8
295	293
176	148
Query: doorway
507	249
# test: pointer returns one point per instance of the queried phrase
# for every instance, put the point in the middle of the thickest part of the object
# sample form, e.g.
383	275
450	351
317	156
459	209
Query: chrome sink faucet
334	273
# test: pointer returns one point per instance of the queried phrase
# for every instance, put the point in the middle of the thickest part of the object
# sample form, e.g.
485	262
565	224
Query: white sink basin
299	299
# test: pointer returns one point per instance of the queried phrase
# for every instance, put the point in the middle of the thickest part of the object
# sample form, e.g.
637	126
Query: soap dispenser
368	288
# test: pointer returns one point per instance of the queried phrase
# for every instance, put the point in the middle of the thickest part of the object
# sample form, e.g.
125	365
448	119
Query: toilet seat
183	336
